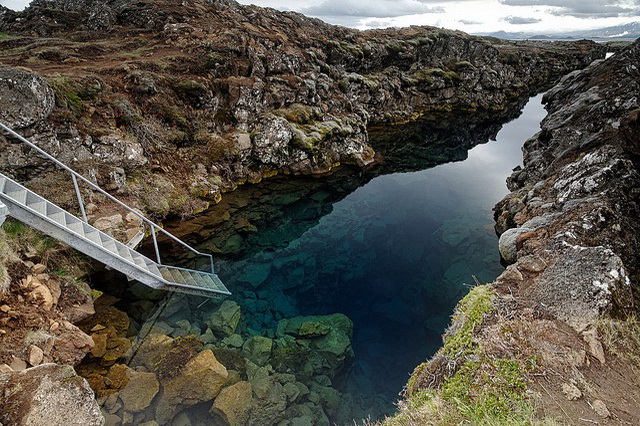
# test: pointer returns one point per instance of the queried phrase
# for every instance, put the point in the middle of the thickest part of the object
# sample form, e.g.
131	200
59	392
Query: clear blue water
394	247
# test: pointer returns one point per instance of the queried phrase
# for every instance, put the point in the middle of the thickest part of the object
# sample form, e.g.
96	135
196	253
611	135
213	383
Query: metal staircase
41	214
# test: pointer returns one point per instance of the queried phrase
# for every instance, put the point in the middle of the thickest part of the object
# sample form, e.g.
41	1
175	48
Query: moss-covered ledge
465	384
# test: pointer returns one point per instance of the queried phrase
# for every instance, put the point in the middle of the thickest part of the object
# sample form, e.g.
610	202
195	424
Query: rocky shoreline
562	317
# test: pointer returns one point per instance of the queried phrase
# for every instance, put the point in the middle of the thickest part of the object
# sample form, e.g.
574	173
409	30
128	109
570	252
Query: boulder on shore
49	394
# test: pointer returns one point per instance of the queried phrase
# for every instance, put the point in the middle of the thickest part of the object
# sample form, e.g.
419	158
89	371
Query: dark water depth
394	248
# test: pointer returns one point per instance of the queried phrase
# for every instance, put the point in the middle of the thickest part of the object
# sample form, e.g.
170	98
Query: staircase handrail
75	176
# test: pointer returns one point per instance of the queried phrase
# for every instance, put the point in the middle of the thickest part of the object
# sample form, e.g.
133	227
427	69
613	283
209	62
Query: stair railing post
79	195
212	268
155	243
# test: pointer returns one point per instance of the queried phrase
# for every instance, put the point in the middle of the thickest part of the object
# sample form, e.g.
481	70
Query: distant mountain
630	30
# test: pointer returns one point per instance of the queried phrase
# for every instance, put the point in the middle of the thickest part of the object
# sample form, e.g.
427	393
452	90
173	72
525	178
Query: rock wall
152	100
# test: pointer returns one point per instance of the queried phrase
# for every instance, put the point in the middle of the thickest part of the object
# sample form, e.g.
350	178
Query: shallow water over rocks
390	250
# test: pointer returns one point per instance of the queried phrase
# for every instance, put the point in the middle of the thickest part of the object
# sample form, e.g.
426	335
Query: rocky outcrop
25	97
204	110
48	394
573	206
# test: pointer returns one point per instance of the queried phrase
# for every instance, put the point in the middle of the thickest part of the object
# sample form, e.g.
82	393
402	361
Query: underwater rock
270	402
258	349
323	344
201	380
224	321
139	391
234	404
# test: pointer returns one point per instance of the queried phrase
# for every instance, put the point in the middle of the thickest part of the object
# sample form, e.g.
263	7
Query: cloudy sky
467	15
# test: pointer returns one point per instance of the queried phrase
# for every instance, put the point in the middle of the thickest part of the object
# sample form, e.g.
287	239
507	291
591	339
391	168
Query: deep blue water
394	248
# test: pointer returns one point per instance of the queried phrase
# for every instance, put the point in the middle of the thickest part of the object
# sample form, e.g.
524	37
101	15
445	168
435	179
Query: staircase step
124	252
109	245
138	259
189	279
58	217
93	236
39	206
153	267
20	196
76	227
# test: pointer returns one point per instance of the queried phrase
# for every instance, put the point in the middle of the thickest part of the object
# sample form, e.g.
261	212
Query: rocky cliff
171	104
560	322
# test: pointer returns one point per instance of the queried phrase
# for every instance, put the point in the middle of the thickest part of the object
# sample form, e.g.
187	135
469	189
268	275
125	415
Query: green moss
467	318
124	113
189	88
489	390
299	113
67	96
462	66
394	47
172	115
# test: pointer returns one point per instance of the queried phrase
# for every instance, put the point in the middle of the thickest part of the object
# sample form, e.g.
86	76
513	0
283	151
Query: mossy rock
174	357
299	113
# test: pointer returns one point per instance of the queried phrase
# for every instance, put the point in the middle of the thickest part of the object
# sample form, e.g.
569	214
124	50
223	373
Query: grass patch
17	240
470	313
622	338
71	94
29	242
7	256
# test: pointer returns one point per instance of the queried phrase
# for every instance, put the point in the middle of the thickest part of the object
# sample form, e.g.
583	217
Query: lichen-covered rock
47	395
574	209
25	97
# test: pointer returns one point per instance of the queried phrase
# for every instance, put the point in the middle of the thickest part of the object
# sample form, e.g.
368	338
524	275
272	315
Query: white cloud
371	8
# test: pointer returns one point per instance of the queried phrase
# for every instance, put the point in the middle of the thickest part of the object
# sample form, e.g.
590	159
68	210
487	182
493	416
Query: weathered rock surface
575	201
275	92
25	97
570	233
139	391
48	394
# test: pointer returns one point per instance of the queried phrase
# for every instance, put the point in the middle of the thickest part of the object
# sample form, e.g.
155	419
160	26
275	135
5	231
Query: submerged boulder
224	321
314	345
201	380
234	404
